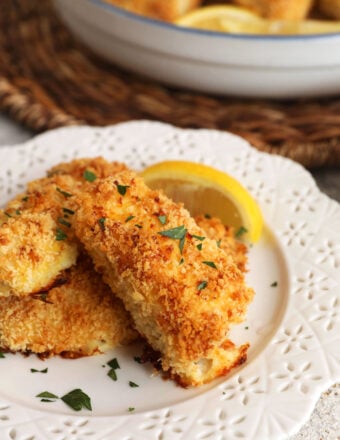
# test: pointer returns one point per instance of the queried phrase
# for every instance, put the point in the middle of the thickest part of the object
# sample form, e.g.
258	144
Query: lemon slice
223	19
205	190
233	19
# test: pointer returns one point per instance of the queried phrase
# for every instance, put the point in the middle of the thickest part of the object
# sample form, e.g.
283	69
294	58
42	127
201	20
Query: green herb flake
138	359
113	363
181	261
68	211
218	243
208	216
112	374
133	384
162	219
8	214
181	244
64	222
199	246
122	189
202	285
24	199
138	226
60	235
129	218
47	395
89	176
101	222
210	264
33	370
130	409
198	237
46	400
178	233
77	400
246	327
242	230
2	356
17	212
64	193
274	284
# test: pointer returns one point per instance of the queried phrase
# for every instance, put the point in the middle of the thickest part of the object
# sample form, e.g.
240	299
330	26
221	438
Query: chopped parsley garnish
33	370
60	235
89	176
202	285
2	356
64	193
77	400
64	222
129	218
8	215
133	384
122	189
138	226
162	219
208	216
274	284
18	212
199	246
181	261
68	211
130	409
218	242
112	374
210	264
113	363
246	327
47	395
24	199
178	233
198	237
138	359
42	296
101	222
242	230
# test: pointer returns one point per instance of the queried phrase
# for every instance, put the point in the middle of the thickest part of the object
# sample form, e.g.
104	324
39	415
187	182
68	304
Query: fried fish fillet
279	9
36	236
183	298
80	317
163	10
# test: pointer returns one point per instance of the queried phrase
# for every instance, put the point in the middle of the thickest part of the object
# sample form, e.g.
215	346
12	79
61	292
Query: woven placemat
48	80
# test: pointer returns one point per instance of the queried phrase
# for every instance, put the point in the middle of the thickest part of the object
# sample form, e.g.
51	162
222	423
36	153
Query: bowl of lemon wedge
247	48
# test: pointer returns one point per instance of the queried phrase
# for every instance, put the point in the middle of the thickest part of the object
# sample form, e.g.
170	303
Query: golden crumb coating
167	10
279	9
37	240
225	238
31	255
80	317
183	297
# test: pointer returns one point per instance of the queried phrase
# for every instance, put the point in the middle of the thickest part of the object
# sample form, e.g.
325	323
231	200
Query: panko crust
183	309
81	317
279	9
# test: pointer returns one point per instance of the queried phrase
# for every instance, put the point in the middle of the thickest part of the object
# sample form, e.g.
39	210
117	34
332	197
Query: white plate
293	327
238	64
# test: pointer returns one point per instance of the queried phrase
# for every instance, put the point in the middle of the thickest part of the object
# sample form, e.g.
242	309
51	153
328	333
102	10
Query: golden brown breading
31	257
279	9
182	305
331	8
225	237
167	10
81	317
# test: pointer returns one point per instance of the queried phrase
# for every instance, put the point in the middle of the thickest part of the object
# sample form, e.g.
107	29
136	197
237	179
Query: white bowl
237	65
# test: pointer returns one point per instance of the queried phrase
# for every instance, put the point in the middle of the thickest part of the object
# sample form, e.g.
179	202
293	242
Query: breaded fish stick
183	297
36	237
80	317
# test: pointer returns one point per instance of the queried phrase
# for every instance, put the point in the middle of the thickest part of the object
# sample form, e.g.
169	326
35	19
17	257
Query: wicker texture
48	80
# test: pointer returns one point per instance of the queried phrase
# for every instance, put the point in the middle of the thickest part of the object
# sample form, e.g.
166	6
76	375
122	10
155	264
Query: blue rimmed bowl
224	64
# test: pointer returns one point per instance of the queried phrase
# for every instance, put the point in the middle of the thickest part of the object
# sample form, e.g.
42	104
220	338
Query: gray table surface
324	423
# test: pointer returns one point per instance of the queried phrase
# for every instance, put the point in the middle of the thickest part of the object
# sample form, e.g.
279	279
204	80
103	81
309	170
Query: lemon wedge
205	190
233	19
